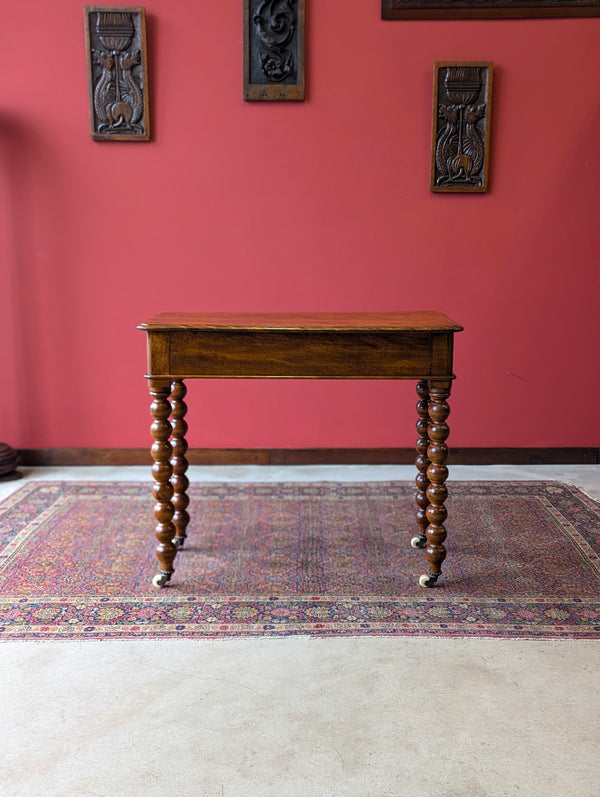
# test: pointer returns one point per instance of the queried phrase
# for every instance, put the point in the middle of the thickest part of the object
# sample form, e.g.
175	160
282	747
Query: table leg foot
429	579
160	390
437	473
161	579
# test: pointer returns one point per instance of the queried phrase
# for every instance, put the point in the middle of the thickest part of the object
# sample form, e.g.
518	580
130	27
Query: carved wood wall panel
462	95
274	34
481	9
115	39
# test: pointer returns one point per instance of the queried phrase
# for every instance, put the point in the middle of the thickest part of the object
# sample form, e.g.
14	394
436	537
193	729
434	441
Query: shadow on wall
37	322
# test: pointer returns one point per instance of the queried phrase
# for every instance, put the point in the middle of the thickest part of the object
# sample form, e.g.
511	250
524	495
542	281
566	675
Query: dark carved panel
117	73
481	9
462	94
274	49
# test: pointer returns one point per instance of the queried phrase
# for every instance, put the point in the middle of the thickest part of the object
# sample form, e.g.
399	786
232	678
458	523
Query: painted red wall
321	205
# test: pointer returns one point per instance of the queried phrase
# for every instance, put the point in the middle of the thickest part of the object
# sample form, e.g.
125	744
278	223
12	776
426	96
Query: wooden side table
411	345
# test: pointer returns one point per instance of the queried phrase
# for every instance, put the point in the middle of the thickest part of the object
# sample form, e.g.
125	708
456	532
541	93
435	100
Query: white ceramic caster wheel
427	581
177	542
159	580
418	542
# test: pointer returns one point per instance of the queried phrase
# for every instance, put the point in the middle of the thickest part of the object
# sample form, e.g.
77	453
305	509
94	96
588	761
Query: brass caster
160	579
178	542
428	580
418	542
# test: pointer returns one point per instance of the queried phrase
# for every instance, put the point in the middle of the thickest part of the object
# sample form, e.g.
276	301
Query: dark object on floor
9	459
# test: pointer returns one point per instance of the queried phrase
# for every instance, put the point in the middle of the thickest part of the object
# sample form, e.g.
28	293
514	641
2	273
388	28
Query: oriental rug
320	559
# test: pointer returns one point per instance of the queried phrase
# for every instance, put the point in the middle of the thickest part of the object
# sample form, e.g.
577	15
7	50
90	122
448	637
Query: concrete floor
297	717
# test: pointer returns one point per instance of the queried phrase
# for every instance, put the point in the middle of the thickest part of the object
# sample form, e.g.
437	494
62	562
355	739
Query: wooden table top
418	321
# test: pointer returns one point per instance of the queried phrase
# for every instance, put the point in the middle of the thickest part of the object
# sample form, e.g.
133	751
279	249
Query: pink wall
321	205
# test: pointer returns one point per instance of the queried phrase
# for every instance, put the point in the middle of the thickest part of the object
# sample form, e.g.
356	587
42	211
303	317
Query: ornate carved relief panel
274	49
462	94
115	40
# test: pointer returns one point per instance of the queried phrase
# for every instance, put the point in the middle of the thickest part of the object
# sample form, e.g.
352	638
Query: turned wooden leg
437	473
160	390
179	463
422	463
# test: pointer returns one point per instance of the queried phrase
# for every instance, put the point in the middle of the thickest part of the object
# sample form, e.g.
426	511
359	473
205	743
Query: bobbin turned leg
179	463
437	473
160	390
422	463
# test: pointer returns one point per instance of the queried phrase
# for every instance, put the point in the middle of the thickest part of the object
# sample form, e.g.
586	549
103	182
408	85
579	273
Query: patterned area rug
323	559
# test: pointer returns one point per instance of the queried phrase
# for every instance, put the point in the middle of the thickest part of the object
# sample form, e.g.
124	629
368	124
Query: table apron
299	354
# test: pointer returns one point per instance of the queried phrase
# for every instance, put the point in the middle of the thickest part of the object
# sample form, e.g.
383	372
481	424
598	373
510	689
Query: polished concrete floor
301	717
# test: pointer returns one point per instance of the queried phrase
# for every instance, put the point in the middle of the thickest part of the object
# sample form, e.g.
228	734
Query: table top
418	321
